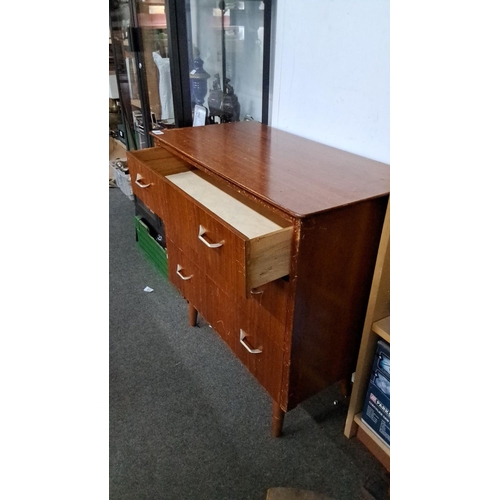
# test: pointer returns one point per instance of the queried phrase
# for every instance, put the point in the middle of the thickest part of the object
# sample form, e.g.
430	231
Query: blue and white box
376	410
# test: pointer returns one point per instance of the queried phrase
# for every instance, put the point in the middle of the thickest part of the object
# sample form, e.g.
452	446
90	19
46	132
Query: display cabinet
142	65
228	48
175	54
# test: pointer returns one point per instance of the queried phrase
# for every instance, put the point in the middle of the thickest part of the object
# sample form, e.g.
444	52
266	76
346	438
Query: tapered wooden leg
193	315
345	387
278	416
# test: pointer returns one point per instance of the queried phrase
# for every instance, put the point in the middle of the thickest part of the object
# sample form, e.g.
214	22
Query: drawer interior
239	215
159	160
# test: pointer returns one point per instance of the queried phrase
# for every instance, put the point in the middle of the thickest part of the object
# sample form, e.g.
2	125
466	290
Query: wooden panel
378	308
181	216
159	160
382	276
382	327
376	446
269	301
268	258
152	164
218	311
180	265
225	316
299	176
117	150
337	253
153	194
152	77
265	366
225	264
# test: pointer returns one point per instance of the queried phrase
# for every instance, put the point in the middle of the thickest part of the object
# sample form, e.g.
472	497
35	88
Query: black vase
198	79
223	102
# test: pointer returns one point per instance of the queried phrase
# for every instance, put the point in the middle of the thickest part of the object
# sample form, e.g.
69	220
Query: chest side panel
336	258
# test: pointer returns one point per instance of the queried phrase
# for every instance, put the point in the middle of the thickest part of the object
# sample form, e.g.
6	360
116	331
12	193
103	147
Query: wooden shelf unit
373	436
376	326
382	327
116	149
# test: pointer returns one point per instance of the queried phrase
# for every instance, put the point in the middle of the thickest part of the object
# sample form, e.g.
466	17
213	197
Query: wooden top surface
297	175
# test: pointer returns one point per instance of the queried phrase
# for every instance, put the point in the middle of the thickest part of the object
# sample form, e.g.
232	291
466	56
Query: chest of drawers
272	238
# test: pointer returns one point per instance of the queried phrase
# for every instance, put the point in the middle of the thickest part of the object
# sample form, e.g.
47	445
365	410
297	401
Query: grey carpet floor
187	421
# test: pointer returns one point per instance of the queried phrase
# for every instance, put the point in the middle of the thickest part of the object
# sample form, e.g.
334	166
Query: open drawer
240	245
148	168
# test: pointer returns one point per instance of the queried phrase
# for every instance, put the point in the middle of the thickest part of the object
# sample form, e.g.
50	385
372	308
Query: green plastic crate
150	247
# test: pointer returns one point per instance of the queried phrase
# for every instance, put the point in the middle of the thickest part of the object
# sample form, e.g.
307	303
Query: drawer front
218	310
185	276
180	220
148	168
148	186
259	353
268	301
215	248
222	312
220	252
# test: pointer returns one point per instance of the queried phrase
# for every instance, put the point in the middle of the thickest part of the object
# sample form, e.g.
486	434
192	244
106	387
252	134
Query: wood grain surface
300	176
308	318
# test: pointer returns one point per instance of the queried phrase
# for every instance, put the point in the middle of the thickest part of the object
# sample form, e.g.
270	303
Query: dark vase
223	103
198	79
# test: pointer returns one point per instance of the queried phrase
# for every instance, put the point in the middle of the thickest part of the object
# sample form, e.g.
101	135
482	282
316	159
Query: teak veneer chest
272	238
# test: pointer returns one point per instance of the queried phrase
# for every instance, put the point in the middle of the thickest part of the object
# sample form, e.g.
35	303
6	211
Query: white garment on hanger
165	86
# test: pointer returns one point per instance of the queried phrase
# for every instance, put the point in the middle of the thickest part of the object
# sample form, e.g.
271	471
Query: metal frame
137	49
178	30
179	61
268	17
125	118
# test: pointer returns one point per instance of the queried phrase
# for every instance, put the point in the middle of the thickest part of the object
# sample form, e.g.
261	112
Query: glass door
141	55
228	47
154	55
125	68
177	60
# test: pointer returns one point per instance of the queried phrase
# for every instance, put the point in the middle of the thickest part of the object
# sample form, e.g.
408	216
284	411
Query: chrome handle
201	232
138	178
246	346
254	291
185	278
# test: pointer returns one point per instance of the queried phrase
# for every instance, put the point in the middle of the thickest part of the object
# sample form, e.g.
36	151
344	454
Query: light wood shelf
381	444
116	149
382	327
376	326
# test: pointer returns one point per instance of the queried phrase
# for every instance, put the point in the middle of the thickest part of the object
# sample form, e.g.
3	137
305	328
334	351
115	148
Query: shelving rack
377	326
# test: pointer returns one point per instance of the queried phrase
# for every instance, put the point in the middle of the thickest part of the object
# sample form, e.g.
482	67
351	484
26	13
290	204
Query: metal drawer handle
209	245
254	291
138	178
179	269
245	345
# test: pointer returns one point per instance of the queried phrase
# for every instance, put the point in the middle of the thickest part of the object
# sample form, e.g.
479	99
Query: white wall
331	73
